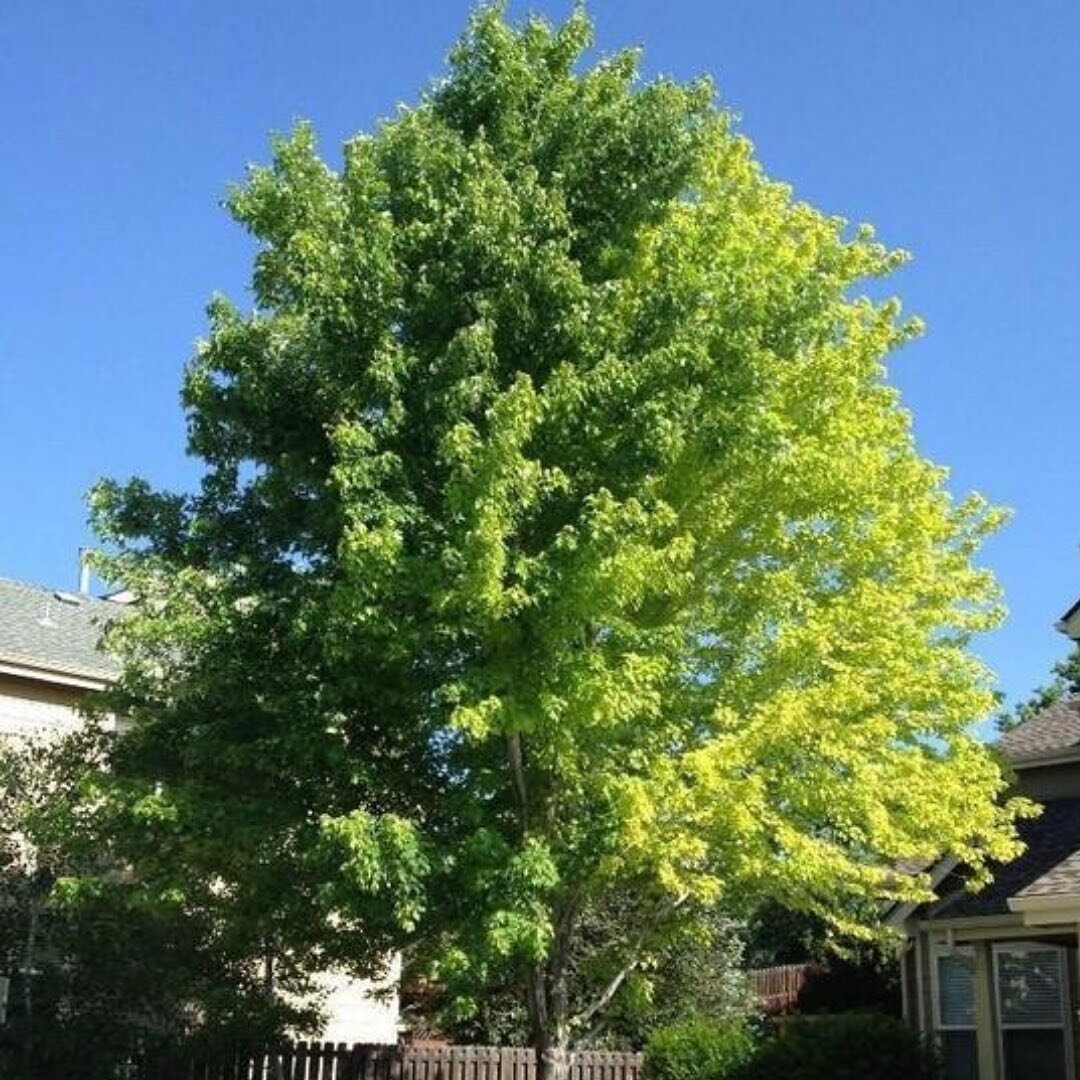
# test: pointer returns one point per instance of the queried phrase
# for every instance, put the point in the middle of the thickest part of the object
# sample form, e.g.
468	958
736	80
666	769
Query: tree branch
604	999
517	771
612	987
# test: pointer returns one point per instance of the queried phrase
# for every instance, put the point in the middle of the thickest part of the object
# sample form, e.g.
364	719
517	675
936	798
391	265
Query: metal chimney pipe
84	571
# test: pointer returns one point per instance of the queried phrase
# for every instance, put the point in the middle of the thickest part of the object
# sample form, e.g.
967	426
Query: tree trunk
546	990
275	1069
547	1016
29	959
552	1062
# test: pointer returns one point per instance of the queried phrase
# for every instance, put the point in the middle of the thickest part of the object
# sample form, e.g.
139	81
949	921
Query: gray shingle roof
55	631
1061	880
1055	729
1049	863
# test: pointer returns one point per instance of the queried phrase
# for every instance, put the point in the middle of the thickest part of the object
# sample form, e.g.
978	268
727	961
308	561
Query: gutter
1069	623
1066	756
900	912
1047	910
79	679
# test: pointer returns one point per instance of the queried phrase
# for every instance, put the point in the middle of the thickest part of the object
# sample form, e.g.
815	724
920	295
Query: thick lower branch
604	999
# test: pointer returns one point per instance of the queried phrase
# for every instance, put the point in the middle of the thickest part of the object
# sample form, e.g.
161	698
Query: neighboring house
995	974
49	660
49	656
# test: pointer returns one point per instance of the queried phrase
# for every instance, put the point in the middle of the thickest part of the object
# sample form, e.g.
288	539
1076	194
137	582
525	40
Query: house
50	659
49	656
995	974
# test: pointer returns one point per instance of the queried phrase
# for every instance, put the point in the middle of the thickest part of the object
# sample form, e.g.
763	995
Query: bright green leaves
492	485
503	896
617	151
293	208
381	863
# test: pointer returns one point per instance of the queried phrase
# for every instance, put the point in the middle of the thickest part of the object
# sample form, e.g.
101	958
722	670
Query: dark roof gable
1047	865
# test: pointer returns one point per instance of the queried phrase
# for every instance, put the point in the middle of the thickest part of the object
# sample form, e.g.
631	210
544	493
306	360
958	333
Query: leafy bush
699	1049
844	1047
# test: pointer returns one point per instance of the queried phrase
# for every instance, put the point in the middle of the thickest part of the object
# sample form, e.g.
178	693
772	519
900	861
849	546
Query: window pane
1034	1055
956	989
961	1055
1030	986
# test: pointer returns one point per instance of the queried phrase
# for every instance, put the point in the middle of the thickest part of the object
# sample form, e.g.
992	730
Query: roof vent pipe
84	571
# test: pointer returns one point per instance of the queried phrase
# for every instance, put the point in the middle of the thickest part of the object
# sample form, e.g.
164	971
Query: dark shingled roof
1049	864
55	631
1054	729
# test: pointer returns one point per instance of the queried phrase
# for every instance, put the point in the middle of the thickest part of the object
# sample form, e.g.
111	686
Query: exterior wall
983	939
926	992
1073	958
361	1010
987	1046
1048	782
909	983
34	708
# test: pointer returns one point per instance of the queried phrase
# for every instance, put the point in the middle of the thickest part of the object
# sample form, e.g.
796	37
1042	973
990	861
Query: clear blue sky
953	127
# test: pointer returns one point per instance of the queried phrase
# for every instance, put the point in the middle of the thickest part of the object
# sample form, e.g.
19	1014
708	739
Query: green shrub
699	1049
856	1046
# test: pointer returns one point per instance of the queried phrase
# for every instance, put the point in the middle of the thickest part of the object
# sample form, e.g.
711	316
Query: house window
1032	1011
954	972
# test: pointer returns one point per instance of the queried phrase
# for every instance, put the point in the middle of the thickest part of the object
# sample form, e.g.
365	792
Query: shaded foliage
97	973
845	1047
847	974
698	972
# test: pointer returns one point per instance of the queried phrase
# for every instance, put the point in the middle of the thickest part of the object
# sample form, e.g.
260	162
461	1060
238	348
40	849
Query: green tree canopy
560	538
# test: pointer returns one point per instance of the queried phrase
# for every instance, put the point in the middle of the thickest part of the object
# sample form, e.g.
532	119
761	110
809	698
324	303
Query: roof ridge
52	590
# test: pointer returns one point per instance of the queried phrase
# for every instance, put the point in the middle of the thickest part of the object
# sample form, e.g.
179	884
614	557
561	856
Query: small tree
101	967
39	778
699	971
1065	683
560	539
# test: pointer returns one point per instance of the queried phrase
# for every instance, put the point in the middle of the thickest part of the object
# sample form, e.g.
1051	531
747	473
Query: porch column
902	950
986	1039
1072	1018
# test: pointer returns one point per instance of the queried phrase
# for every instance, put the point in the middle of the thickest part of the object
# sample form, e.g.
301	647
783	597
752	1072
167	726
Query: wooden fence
778	988
339	1061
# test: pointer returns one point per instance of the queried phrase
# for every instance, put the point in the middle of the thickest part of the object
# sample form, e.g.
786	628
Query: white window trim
936	953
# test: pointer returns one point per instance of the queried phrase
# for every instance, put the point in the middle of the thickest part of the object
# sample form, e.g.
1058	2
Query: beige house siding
34	708
1049	782
361	1010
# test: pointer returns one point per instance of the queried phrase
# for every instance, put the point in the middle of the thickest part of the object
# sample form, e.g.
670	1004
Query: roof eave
1069	623
999	920
1063	756
900	911
1047	909
82	680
